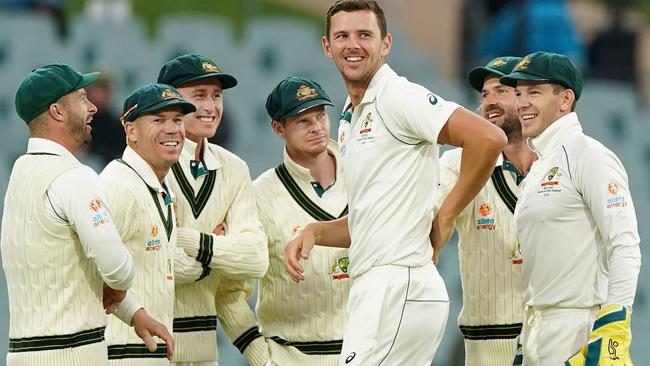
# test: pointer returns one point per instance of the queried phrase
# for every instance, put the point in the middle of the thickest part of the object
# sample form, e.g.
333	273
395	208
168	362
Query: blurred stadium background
261	41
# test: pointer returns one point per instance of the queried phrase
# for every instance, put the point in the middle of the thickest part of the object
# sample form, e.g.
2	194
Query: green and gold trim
47	343
301	198
246	338
483	332
135	350
195	324
507	196
197	204
204	255
313	348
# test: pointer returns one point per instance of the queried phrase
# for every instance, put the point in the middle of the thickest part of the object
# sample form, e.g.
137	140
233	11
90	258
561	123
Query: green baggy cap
546	66
151	98
500	66
45	85
191	67
294	95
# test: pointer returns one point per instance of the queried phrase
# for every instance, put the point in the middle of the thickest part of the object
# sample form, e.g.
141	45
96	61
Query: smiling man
214	193
490	265
140	201
389	136
576	224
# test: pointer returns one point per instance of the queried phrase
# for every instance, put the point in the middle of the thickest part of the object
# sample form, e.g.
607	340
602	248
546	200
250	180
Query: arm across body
333	233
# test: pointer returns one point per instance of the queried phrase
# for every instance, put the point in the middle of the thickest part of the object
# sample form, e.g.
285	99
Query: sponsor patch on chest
366	134
485	219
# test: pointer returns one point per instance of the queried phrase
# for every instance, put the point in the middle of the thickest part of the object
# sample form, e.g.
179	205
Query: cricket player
389	136
63	257
141	202
576	225
213	187
490	264
300	323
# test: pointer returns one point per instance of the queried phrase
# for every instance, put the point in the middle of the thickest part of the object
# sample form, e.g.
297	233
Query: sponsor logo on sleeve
99	214
615	199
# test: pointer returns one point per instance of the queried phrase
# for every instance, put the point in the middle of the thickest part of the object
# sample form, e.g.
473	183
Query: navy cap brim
477	76
315	102
227	81
186	107
511	79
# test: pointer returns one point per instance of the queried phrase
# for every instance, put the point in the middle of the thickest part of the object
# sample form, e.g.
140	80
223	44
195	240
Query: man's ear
278	129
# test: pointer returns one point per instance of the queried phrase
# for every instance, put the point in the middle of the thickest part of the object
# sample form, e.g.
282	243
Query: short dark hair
355	5
557	89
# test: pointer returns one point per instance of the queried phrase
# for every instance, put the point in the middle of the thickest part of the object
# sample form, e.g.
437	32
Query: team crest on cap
523	64
170	94
305	92
498	62
208	67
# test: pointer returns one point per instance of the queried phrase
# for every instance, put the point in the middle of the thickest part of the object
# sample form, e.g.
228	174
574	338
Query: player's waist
364	261
59	341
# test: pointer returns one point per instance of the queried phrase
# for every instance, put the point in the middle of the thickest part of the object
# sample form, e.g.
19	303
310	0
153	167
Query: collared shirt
303	175
145	172
208	161
390	159
76	199
576	223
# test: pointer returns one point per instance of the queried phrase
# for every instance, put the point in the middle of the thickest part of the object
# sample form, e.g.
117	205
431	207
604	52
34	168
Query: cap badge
305	92
498	62
523	64
208	67
169	94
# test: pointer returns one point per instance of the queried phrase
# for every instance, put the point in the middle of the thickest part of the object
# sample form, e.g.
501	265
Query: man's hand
147	327
112	298
220	229
299	247
441	230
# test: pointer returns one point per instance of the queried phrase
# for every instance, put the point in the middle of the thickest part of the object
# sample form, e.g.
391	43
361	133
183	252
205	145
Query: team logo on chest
154	243
365	134
486	219
615	200
550	182
339	270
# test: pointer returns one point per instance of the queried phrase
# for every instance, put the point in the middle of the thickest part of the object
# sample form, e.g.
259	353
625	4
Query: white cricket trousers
396	317
489	352
201	363
551	335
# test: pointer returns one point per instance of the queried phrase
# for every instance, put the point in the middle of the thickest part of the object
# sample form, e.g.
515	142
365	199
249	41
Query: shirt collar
383	74
556	134
37	144
144	170
299	172
209	157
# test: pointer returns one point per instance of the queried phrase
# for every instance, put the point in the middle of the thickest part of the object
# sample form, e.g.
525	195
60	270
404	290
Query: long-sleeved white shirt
576	223
71	200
